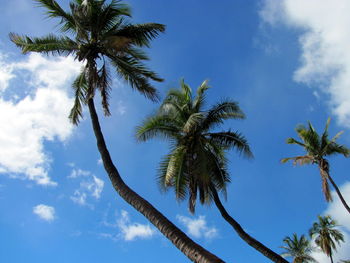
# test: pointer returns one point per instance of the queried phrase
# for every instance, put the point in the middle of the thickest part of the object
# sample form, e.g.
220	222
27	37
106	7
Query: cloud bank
34	105
324	43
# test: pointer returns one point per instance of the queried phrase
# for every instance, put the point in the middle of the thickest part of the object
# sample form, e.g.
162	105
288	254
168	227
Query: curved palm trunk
245	236
192	250
325	167
331	257
339	194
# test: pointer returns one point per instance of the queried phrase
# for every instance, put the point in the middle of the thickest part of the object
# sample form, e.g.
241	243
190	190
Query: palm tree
326	235
298	248
197	164
317	148
100	35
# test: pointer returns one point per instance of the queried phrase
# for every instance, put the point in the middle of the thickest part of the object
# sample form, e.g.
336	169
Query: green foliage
197	161
317	147
298	248
326	235
98	34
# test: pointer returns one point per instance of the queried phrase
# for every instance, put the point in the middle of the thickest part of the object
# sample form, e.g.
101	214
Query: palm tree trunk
240	231
339	194
324	166
330	255
192	250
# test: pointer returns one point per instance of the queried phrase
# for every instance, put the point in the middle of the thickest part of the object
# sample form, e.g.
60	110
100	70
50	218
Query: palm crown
326	235
197	162
317	148
100	35
298	248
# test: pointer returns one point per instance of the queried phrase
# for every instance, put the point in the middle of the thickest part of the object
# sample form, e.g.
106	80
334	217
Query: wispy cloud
34	116
45	212
89	186
197	227
324	42
127	230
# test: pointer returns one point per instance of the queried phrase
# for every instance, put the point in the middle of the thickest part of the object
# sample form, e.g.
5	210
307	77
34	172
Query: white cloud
198	227
38	116
127	230
89	186
45	212
324	41
5	73
131	231
337	211
75	173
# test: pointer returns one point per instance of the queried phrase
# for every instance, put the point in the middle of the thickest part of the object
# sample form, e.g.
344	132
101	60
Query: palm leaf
299	160
231	140
55	11
80	88
141	34
158	126
49	44
222	111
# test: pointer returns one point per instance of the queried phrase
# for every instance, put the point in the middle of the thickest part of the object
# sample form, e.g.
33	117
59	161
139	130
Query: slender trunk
331	257
325	166
192	250
246	237
339	194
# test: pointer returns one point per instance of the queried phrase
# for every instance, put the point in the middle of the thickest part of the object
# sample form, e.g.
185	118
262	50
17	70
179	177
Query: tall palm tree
197	164
100	35
326	235
298	248
317	148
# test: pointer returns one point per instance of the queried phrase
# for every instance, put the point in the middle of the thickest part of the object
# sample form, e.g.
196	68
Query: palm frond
49	44
200	97
158	126
294	141
171	172
54	10
136	74
104	87
140	34
334	148
193	122
222	111
229	140
299	160
110	16
80	89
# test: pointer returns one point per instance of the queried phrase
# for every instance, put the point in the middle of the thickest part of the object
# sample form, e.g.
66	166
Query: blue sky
285	62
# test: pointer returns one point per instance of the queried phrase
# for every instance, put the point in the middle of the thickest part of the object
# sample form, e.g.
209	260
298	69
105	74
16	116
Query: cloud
337	211
89	186
131	231
45	212
127	230
324	42
198	227
32	117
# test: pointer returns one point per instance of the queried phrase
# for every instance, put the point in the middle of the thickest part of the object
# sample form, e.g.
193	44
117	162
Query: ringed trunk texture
326	165
245	236
192	250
